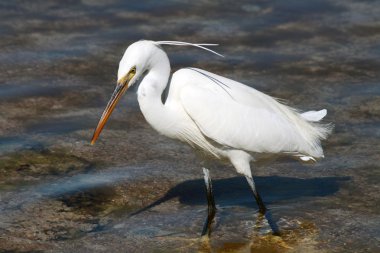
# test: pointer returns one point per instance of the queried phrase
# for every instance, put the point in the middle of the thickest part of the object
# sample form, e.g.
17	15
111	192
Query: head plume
181	43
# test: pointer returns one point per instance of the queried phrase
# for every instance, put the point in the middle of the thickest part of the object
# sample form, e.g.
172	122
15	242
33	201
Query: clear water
58	68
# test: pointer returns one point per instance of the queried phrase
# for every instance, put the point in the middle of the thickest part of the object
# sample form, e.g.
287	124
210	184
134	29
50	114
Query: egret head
136	60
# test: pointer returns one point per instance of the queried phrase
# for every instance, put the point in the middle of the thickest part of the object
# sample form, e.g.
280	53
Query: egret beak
120	89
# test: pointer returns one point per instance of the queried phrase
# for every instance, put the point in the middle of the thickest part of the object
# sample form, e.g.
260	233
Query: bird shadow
236	192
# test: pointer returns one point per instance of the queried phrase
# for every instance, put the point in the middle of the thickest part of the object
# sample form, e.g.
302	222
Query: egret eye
133	70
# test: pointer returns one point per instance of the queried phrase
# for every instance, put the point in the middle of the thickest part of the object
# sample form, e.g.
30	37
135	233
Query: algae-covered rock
25	166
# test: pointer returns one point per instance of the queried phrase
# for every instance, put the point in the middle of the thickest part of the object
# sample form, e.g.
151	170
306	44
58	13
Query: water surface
136	191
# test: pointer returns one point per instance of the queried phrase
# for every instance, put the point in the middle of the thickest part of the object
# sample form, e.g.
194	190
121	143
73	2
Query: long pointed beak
116	95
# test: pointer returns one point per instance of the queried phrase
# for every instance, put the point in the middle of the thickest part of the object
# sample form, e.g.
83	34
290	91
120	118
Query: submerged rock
136	191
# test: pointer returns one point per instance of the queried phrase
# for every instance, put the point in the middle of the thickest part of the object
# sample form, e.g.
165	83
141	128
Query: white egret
225	118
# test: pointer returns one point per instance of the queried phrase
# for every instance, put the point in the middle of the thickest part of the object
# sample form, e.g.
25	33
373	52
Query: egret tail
314	116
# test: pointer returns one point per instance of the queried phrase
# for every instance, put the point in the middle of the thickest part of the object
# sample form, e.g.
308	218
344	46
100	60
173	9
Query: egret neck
150	90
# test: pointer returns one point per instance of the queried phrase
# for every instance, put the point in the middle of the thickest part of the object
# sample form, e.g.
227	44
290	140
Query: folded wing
240	117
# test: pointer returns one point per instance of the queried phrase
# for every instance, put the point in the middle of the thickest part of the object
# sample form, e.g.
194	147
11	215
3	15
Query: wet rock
40	223
34	164
136	191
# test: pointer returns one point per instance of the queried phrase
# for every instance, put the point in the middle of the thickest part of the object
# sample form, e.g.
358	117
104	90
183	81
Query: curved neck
151	88
155	80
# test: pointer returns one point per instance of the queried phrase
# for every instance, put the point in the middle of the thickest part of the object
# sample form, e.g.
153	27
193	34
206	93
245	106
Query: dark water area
137	191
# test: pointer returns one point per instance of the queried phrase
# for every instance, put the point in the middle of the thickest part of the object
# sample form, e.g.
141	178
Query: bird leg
257	196
211	209
262	209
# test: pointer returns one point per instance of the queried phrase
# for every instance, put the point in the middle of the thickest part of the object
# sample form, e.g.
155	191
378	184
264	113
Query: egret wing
241	117
235	125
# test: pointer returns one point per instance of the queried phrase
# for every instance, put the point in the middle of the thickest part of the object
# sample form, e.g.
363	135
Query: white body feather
222	116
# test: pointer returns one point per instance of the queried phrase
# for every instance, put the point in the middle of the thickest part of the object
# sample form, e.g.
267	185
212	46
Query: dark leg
263	210
257	196
211	210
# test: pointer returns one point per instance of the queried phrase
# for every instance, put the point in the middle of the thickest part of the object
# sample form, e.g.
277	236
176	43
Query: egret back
240	117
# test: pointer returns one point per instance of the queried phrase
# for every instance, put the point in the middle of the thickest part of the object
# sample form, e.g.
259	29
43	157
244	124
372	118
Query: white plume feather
181	43
314	116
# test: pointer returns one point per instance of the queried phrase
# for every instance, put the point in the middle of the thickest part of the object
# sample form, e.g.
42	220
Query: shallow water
136	191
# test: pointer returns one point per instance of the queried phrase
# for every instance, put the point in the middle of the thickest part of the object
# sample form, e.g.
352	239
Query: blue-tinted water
58	68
